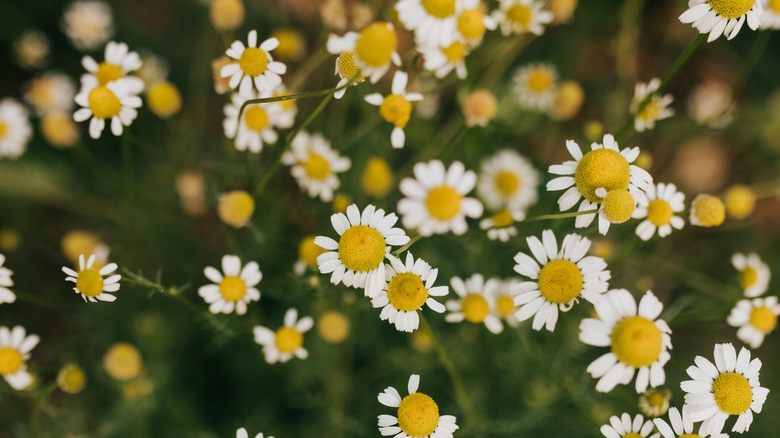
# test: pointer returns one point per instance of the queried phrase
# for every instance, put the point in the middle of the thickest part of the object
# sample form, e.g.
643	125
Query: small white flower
476	302
119	62
623	426
657	108
417	416
15	347
755	319
90	283
754	274
115	101
233	290
287	341
663	201
254	66
6	295
522	16
15	130
501	226
442	59
396	108
315	165
51	92
508	180
88	24
722	17
682	425
257	124
504	296
536	86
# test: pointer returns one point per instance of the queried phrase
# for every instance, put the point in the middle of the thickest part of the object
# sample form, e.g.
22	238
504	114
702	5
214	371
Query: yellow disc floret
122	361
361	248
471	24
253	61
443	202
256	118
347	68
288	339
560	281
164	99
396	110
731	8
505	305
10	360
418	415
763	319
618	206
748	277
601	168
108	73
520	14
3	129
475	308
71	379
502	219
540	80
732	392
455	52
659	212
377	178
707	211
439	8
333	327
507	182
89	283
407	292
308	251
740	200
236	208
632	435
376	44
774	6
636	341
103	102
232	288
316	166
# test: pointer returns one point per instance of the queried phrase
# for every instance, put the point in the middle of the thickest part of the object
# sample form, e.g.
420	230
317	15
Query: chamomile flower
475	302
119	62
253	65
15	347
508	180
535	86
728	387
663	201
504	306
115	101
373	49
396	108
409	287
315	165
770	19
442	59
233	288
655	402
681	425
722	17
285	117
472	23
51	92
417	416
357	258
657	107
435	200
347	71
15	129
638	341
558	278
433	22
6	295
256	127
754	274
281	345
605	167
308	251
242	433
623	426
88	24
522	16
500	226
90	283
755	318
618	206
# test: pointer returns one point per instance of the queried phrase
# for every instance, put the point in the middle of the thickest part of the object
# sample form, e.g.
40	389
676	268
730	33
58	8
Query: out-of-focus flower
221	84
754	274
31	49
192	192
568	100
755	319
315	165
625	427
475	302
233	288
6	295
740	201
722	17
341	202
15	130
308	251
226	14
123	362
500	226
236	208
472	23
770	19
373	49
89	281
334	14
252	66
433	22
257	123
681	425
711	104
655	402
479	108
377	178
535	86
88	24
59	129
508	180
15	347
333	327
562	10
71	378
396	108
287	341
707	211
522	16
417	416
51	92
656	108
442	59
242	433
77	242
153	69
292	44
164	99
702	165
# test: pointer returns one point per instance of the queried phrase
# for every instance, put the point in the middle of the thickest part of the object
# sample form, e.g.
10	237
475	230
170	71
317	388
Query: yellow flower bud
236	208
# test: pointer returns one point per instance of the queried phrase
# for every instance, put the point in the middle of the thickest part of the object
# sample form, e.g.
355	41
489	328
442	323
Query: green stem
35	415
411	242
557	216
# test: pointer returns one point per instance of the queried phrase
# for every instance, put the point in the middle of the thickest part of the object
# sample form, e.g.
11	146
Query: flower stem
35	415
558	216
411	242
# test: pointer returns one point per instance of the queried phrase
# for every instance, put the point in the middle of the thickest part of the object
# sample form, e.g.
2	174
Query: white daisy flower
754	274
257	124
365	239
417	416
770	19
663	201
655	402
90	283
51	92
287	341
722	17
638	341
314	164
119	62
522	16
475	303
15	130
408	288
396	108
755	318
233	290
253	66
558	278
504	301
472	23
115	101
435	200
6	295
508	180
434	23
88	24
15	348
373	50
623	426
605	167
442	59
681	425
242	433
657	108
728	387
500	226
536	86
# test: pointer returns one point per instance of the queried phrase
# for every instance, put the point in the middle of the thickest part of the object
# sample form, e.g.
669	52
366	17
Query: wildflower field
405	218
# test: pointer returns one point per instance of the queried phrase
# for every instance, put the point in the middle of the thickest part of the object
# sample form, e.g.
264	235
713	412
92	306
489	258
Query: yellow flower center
396	110
520	15
347	67
731	8
10	360
659	212
690	435
618	206
502	219
656	400
376	44
632	435
122	361
540	80
439	8
505	305
308	251
232	288
763	319
377	179
748	277
333	327
361	248
418	415
651	110
317	167
164	99
407	292
71	379
108	73
475	308
636	341
732	392
601	168
288	339
256	118
774	6
560	281
708	210
341	202
443	202
253	61
471	24
3	129
507	182
235	208
455	52
103	102
89	283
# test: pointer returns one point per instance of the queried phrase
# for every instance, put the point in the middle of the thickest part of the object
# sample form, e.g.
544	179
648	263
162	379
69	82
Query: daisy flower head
256	127
656	108
88	24
638	340
347	71
663	201
593	175
500	226
253	66
435	200
396	108
535	86
357	258
728	387
116	101
417	416
90	282
287	341
508	180
409	286
373	49
557	278
51	92
681	425
479	108
232	290
472	23
624	426
707	211
475	302
522	16
242	433
618	206
15	130
722	17
771	16
754	274
655	402
442	59
434	22
119	62
15	346
6	295
314	165
504	301
755	318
